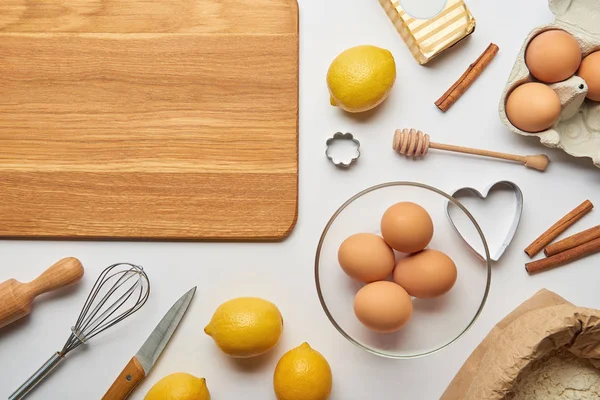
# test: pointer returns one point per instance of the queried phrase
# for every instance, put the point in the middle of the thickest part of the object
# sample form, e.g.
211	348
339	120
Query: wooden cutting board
148	119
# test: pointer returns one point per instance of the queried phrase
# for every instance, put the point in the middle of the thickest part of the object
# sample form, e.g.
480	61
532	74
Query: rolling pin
16	298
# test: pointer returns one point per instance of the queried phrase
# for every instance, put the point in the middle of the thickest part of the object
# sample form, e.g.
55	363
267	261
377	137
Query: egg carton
577	130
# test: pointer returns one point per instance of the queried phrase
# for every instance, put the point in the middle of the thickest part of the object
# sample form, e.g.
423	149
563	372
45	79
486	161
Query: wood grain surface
170	119
150	16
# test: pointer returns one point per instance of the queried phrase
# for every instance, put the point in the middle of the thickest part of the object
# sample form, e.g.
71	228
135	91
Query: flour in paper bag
558	375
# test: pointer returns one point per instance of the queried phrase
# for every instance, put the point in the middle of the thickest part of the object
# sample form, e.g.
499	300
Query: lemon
246	327
302	374
179	386
361	78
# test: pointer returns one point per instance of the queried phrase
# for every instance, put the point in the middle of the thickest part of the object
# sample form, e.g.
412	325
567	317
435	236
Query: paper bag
543	323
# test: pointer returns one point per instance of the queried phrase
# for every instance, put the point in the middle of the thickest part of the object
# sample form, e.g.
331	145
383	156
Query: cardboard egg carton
577	131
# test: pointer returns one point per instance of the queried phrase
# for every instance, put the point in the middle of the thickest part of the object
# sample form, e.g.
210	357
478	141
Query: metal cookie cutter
342	136
495	256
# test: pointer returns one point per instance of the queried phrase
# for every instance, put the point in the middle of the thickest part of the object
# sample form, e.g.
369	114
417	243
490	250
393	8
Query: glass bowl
435	323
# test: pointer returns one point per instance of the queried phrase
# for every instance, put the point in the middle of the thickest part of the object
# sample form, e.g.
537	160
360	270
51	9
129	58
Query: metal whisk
119	291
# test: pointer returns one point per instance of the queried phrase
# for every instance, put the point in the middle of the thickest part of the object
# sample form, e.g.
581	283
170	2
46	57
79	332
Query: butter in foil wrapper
427	38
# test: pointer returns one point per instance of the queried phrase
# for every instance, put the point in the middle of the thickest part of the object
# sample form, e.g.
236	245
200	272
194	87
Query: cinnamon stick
573	241
563	258
558	228
467	79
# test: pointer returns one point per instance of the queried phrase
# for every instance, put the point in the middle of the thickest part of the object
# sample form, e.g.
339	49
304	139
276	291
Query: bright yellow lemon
179	386
361	78
246	327
302	374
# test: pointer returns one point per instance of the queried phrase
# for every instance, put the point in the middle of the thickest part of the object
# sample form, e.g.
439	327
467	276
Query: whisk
413	143
120	290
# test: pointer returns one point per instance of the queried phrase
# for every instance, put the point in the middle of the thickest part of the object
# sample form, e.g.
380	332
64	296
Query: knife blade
142	362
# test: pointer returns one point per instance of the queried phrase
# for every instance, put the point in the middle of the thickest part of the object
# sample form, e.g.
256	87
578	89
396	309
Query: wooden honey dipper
16	298
413	143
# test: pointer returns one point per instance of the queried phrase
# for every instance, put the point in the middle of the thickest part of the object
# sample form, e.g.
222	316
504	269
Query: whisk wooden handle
16	298
413	143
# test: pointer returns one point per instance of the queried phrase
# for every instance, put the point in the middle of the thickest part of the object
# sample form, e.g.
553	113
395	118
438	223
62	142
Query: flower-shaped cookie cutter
342	136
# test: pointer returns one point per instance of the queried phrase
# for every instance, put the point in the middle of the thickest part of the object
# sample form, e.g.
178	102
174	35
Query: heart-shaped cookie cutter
514	225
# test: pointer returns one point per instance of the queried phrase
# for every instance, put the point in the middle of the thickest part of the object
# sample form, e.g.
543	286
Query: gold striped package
426	38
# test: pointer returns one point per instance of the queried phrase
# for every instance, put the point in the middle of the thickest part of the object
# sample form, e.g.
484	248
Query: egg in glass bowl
421	299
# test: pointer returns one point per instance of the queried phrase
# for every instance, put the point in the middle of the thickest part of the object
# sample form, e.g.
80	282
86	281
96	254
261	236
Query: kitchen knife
141	364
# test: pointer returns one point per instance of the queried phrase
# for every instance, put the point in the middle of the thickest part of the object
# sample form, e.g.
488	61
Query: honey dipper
413	143
16	298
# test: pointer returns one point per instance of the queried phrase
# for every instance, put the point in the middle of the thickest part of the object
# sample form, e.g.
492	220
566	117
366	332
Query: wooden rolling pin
16	298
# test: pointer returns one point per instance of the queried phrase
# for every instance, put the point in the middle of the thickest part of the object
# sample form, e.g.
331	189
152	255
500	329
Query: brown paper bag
543	323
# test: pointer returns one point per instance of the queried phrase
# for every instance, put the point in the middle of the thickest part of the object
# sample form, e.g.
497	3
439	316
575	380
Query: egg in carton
577	130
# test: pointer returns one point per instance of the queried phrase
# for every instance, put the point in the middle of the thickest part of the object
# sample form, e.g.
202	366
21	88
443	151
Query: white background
283	272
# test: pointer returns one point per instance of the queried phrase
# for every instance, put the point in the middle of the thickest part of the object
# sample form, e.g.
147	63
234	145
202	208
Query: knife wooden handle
128	379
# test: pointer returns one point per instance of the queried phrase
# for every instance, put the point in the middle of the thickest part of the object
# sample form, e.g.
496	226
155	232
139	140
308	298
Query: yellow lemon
302	374
246	327
179	386
361	78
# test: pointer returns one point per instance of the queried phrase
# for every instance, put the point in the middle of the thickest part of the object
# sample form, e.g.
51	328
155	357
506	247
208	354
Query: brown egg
383	306
427	274
590	72
553	56
407	227
366	257
533	107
